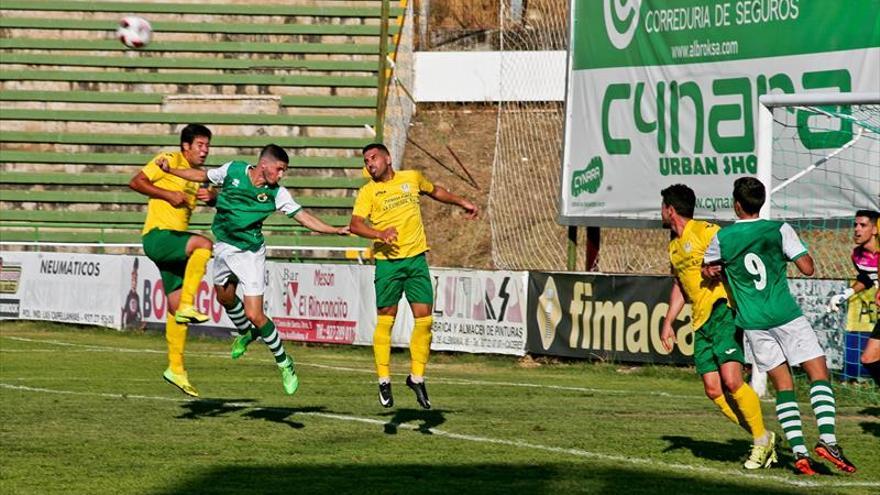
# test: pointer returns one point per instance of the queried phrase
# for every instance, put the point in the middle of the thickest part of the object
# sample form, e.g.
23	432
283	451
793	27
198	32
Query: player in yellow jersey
390	203
718	353
181	256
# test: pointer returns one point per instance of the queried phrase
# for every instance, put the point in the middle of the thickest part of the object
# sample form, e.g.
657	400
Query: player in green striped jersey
754	254
248	195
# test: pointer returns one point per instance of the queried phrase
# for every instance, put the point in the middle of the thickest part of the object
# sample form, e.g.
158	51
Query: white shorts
247	266
794	342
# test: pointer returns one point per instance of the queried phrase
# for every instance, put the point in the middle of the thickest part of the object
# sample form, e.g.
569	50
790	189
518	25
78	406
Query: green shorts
717	341
167	249
406	275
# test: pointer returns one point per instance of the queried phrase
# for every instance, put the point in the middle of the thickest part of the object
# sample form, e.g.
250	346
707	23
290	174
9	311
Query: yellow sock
722	404
420	344
192	276
750	406
175	335
382	345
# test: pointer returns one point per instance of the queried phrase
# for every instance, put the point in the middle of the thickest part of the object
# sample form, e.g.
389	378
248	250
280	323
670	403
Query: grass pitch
86	411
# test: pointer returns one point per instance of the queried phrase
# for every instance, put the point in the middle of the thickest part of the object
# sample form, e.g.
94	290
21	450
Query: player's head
377	160
865	226
195	143
748	196
678	199
273	163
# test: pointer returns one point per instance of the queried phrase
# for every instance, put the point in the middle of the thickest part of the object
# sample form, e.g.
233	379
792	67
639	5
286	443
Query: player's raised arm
359	227
443	195
795	250
190	174
314	223
144	184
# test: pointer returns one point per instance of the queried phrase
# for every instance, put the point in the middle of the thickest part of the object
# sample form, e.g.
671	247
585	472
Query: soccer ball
134	32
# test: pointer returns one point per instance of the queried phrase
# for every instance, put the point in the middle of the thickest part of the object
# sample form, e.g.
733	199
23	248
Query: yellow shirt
160	214
395	203
686	255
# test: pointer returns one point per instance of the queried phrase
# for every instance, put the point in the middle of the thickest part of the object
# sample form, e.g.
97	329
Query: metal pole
594	237
383	64
765	154
572	247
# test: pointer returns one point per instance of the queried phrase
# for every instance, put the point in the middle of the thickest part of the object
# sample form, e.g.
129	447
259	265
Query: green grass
86	411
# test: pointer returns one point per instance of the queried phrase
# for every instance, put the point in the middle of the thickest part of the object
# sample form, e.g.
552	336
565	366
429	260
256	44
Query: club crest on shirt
235	182
687	247
404	188
262	197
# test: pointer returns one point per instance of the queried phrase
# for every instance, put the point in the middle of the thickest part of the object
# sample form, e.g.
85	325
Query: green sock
790	419
273	340
822	399
236	314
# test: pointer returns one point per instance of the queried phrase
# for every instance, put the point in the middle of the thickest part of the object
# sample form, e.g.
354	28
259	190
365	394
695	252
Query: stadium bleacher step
76	105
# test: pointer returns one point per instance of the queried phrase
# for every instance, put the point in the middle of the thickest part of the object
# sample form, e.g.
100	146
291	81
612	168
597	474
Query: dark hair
750	194
680	197
276	152
192	131
374	146
871	214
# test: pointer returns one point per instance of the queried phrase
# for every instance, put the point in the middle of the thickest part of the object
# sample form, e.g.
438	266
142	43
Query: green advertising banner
666	91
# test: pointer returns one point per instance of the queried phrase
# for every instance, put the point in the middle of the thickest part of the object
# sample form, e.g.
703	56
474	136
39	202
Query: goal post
833	136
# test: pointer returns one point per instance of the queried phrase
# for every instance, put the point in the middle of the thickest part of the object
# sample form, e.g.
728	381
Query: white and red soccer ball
134	32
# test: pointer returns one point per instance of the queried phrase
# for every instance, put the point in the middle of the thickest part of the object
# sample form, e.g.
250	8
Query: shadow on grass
482	478
871	428
729	451
212	408
428	419
281	414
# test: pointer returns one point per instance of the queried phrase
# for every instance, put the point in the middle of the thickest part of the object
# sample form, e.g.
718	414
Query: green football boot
240	343
288	376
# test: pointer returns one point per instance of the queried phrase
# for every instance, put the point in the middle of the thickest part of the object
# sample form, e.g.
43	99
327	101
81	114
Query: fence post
383	64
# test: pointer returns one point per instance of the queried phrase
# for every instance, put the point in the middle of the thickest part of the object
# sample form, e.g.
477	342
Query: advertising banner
479	311
666	91
10	283
316	303
143	289
72	288
813	296
604	317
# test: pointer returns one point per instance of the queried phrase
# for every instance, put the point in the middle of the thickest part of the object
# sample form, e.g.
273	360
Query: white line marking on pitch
451	381
653	463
